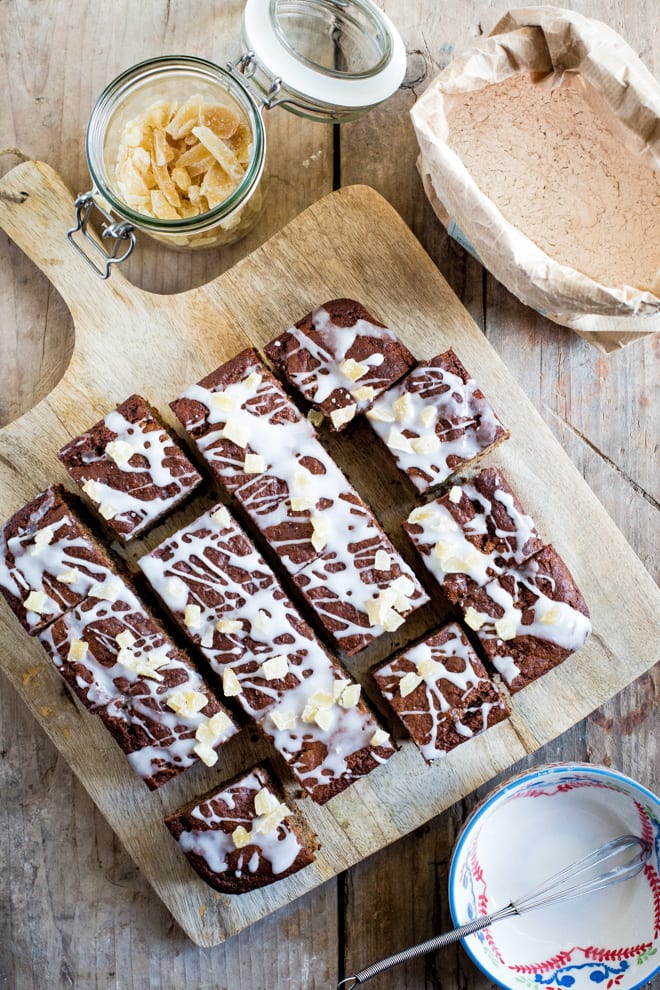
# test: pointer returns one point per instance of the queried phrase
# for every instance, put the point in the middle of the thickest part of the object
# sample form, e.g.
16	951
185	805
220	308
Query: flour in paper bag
556	168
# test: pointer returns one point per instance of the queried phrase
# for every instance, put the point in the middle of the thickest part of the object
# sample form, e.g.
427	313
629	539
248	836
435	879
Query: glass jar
328	60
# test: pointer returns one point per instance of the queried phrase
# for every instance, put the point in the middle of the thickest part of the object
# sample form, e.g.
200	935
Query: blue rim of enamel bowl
513	785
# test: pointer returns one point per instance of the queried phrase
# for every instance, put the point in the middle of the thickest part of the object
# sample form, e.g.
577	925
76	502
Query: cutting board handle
36	210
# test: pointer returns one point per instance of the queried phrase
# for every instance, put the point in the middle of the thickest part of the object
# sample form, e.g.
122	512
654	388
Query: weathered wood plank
604	413
59	58
90	920
50	78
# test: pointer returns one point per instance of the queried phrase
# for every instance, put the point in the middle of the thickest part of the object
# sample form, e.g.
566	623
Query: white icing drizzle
306	660
330	584
516	536
327	376
259	410
429	407
507	668
288	444
138	506
312	674
446	547
143	703
279	848
350	732
205	563
290	531
545	619
434	701
38	563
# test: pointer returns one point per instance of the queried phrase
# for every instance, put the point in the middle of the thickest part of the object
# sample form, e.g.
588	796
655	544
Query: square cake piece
131	468
435	421
441	692
124	668
242	836
529	618
472	533
49	560
361	589
340	358
326	733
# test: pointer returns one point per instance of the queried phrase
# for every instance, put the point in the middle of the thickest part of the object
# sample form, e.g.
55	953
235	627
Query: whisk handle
439	942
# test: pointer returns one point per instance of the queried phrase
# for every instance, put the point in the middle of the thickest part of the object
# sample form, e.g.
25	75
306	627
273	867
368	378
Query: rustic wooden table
74	911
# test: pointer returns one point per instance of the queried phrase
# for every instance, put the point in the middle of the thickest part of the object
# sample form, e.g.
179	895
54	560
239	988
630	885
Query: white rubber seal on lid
351	92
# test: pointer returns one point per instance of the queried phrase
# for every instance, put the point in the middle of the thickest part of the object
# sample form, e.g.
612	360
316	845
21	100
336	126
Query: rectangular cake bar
340	358
130	468
267	455
472	533
530	618
124	668
242	836
49	559
435	421
515	593
441	692
226	599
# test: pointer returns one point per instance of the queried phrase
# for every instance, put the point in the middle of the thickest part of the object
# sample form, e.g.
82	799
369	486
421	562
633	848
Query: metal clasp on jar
117	231
265	89
265	94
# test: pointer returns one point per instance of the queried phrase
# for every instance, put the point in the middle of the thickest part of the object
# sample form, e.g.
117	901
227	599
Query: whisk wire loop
556	889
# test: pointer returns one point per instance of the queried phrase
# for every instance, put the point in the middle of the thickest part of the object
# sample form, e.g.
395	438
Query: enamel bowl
531	827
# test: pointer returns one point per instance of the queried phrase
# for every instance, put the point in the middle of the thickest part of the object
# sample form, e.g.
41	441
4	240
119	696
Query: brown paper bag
549	42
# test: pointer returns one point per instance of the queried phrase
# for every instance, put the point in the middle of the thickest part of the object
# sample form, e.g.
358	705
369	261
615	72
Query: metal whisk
560	887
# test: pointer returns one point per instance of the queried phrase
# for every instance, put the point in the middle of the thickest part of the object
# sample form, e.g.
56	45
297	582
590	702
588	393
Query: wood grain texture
604	412
188	334
78	913
57	59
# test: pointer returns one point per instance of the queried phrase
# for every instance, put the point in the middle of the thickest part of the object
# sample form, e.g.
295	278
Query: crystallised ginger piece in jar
181	160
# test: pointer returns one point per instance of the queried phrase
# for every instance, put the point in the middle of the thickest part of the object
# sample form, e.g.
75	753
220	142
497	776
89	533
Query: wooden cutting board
352	243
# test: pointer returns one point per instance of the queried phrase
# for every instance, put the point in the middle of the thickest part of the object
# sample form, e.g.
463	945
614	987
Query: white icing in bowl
525	831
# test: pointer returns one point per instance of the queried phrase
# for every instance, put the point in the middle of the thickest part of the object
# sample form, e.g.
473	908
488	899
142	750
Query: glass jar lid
332	59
